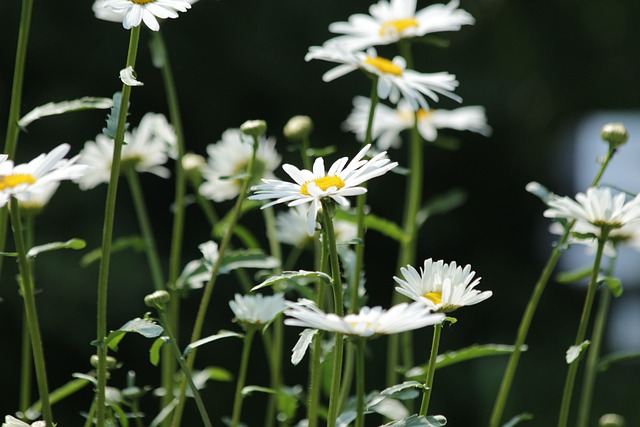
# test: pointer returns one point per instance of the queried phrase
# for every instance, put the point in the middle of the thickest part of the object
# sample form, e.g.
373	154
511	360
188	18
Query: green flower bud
112	362
298	127
254	128
615	134
157	299
611	420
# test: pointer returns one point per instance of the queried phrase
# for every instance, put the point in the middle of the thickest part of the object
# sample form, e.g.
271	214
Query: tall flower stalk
107	233
431	370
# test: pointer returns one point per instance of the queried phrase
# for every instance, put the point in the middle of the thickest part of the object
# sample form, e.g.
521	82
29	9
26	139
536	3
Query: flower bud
298	127
615	134
192	162
254	128
611	420
157	299
112	362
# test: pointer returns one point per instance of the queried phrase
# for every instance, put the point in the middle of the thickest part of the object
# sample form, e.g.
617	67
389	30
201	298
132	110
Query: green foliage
207	340
112	118
419	420
55	108
134	242
144	327
296	276
614	358
518	419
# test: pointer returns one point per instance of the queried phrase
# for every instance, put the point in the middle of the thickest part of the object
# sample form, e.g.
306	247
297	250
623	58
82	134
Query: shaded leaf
373	222
572	276
55	108
74	244
441	204
293	275
611	359
399	387
419	420
210	338
614	284
154	351
134	242
299	350
518	419
248	258
144	327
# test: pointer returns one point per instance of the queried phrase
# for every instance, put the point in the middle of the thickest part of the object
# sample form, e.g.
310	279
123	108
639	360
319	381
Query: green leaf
517	419
221	226
210	338
300	348
441	204
55	108
400	387
574	275
158	51
112	118
611	359
446	142
248	390
63	392
247	258
74	244
120	414
144	327
134	242
434	41
293	275
419	420
154	351
321	152
11	254
381	225
614	284
219	374
469	353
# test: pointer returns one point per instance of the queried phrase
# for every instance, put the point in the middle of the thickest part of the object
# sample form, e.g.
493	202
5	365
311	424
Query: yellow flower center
142	1
383	65
323	183
10	181
424	114
434	297
397	25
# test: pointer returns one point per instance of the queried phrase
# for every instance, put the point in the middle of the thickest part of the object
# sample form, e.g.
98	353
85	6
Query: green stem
360	381
186	372
11	138
145	227
334	397
168	366
208	289
591	365
242	375
305	144
26	287
530	310
90	416
582	330
26	362
107	234
431	370
348	372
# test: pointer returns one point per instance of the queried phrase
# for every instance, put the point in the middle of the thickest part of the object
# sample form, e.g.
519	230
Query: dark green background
536	67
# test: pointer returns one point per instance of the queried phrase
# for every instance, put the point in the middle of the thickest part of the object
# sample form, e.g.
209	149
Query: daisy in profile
229	157
369	322
147	148
442	287
133	12
25	181
291	228
389	122
340	181
10	421
394	79
256	309
390	21
598	207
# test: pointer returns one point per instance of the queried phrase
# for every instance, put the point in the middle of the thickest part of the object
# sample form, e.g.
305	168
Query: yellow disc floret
434	297
397	25
142	1
323	183
383	65
10	181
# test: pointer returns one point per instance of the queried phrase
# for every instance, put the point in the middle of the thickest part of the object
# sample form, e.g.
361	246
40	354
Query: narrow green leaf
144	327
441	204
574	275
11	254
154	351
293	275
434	41
419	420
63	392
399	387
321	152
373	222
120	414
248	390
219	374
248	258
55	108
611	359
614	284
518	419
210	338
133	242
74	244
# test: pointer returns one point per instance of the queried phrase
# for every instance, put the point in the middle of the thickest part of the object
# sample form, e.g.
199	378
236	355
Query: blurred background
550	74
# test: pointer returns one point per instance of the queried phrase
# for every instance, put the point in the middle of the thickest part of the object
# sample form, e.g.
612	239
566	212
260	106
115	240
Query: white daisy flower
134	12
291	228
388	122
39	198
394	79
198	272
598	207
340	181
10	421
22	181
442	287
390	21
229	157
147	148
369	322
256	309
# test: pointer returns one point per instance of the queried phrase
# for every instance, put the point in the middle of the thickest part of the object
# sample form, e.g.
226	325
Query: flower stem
582	330
242	375
107	233
360	381
145	227
530	310
334	396
431	370
591	365
185	370
162	61
26	362
26	287
208	289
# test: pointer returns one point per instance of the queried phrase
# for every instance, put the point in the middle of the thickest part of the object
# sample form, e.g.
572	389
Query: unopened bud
615	134
298	127
254	128
611	420
112	362
192	162
157	299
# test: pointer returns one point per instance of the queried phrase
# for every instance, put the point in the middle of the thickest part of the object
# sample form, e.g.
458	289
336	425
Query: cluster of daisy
411	92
